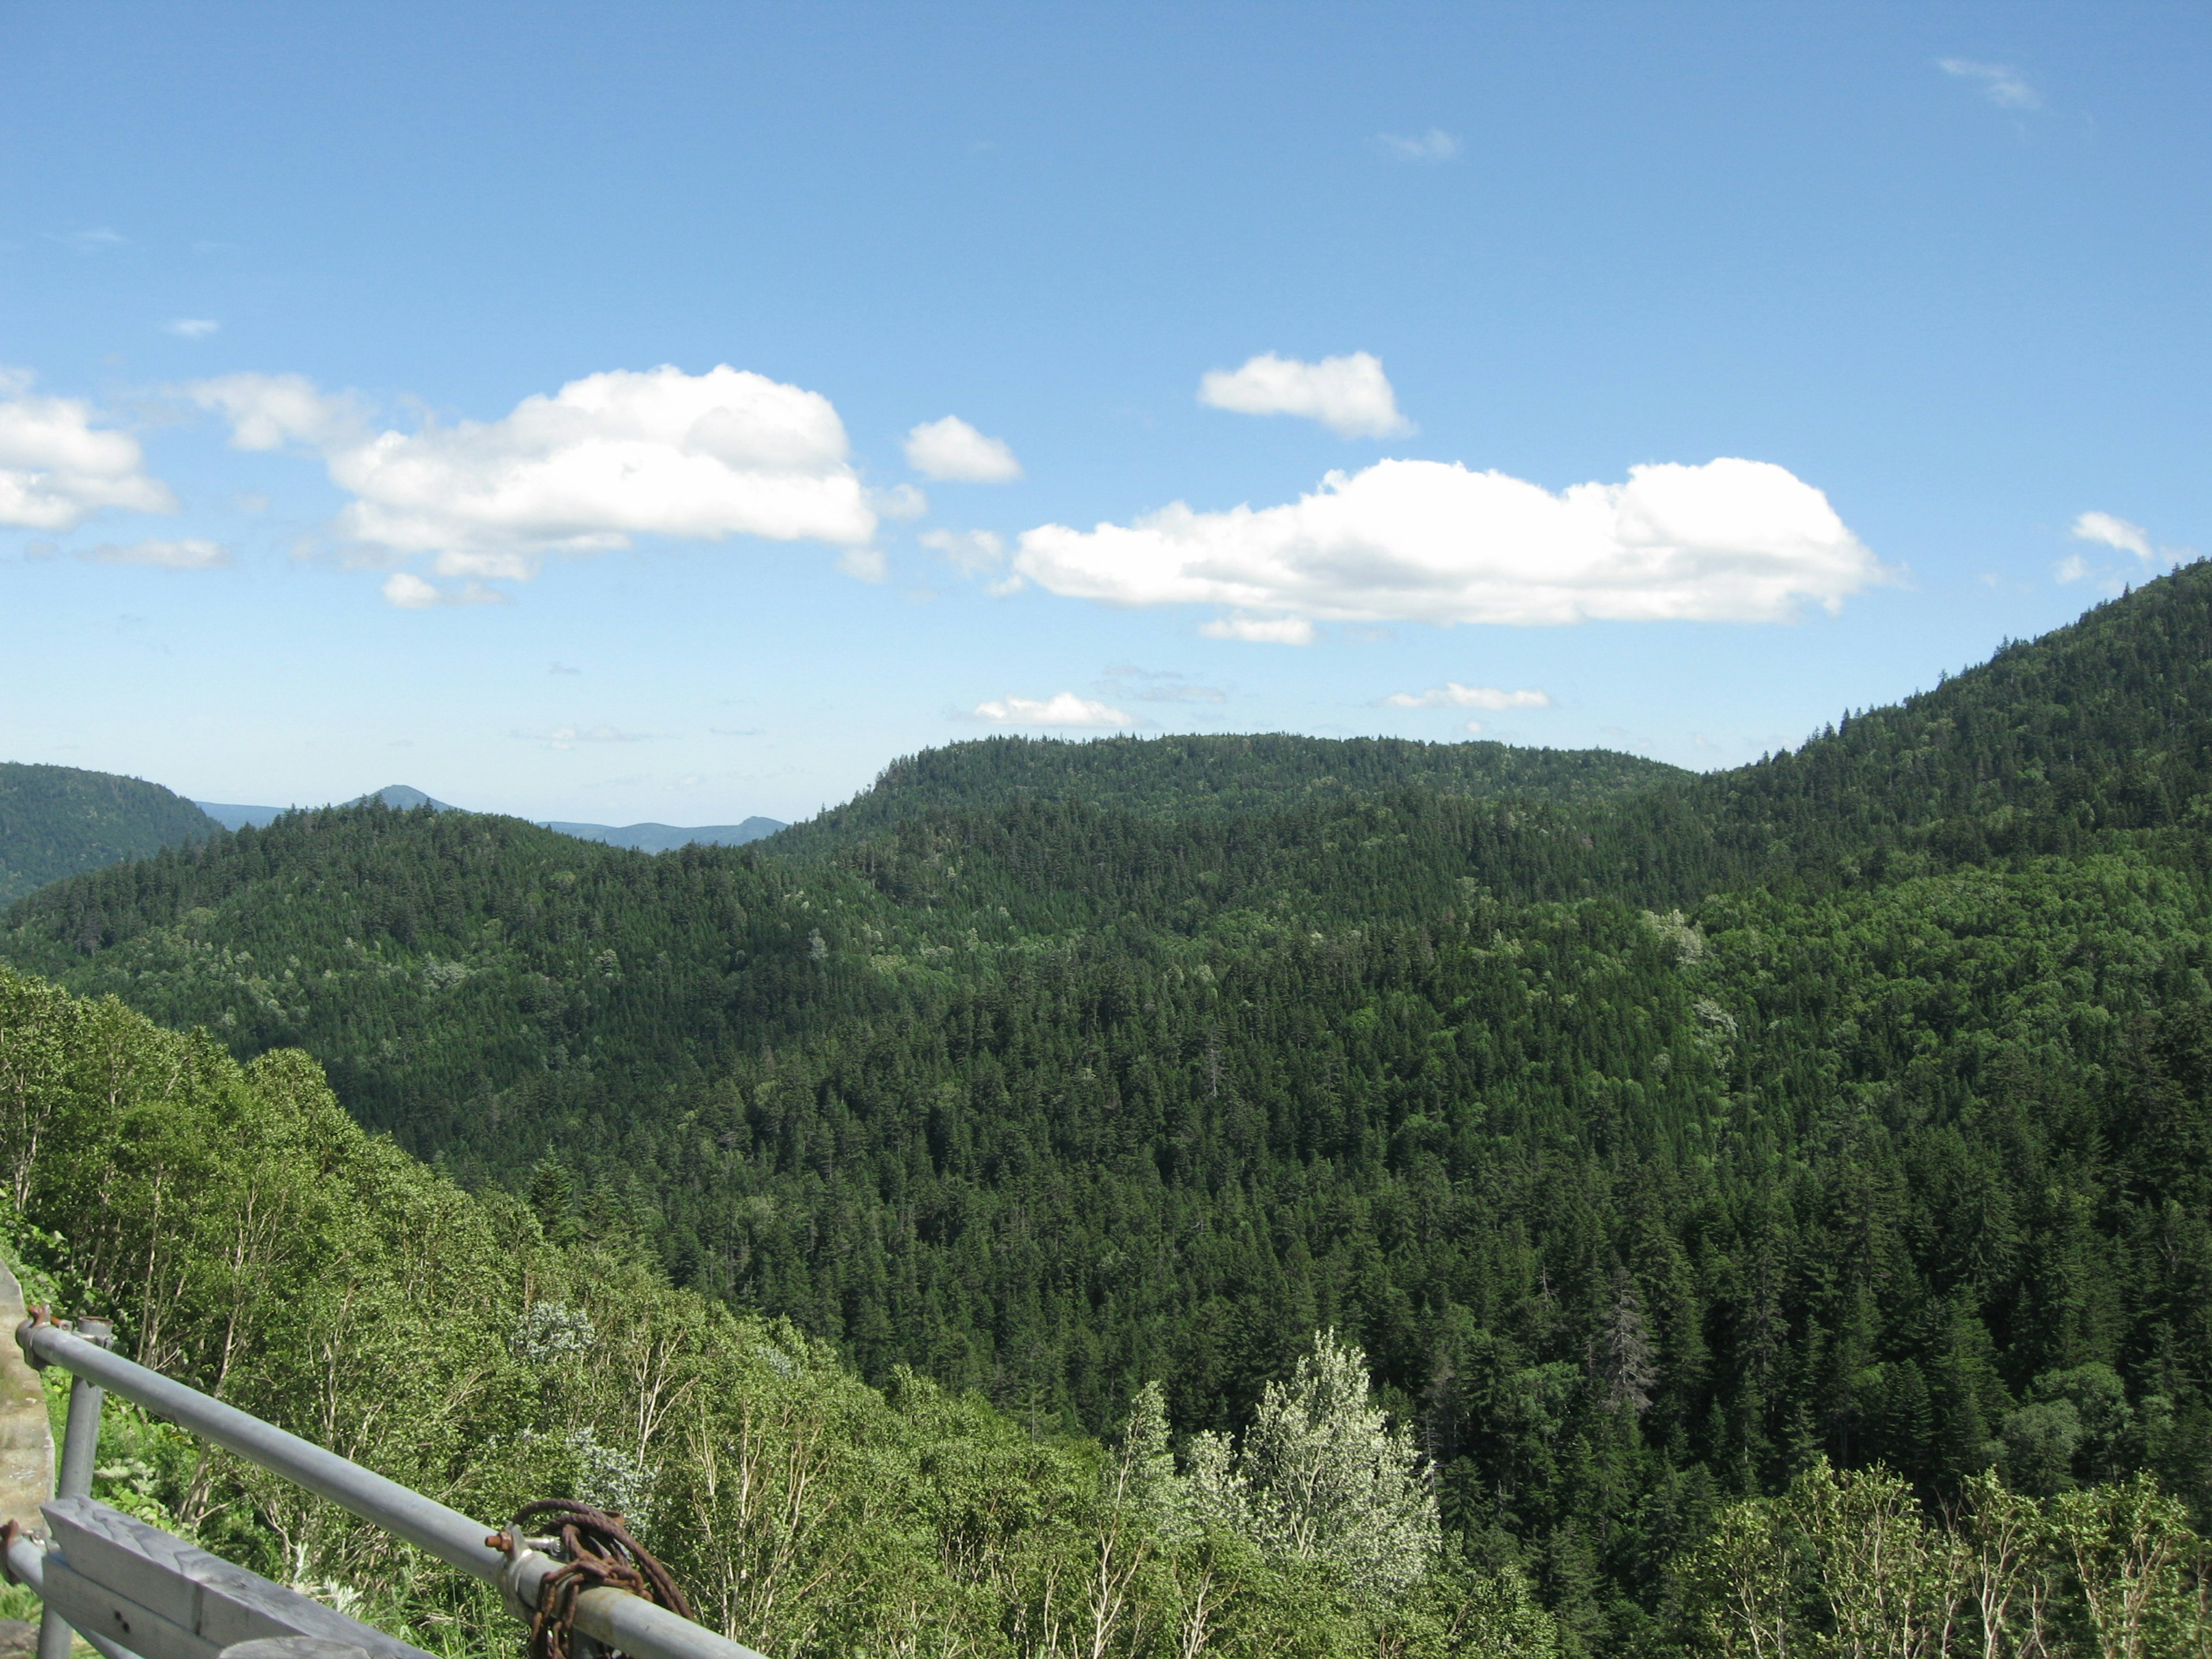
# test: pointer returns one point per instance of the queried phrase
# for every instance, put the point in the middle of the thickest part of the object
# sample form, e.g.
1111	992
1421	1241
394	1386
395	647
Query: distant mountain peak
404	797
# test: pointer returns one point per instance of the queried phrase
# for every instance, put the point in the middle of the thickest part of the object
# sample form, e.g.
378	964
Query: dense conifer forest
1703	1165
56	821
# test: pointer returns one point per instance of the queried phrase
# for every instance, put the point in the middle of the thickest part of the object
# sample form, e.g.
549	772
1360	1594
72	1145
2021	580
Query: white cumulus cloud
191	553
1452	695
192	328
2001	83
607	459
954	452
1064	709
1428	541
2115	532
1434	145
57	468
1350	396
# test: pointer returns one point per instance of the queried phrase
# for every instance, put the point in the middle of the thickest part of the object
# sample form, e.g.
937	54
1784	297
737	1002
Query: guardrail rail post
73	1478
608	1616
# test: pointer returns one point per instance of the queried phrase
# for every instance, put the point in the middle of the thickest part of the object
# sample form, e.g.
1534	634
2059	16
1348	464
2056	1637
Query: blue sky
293	503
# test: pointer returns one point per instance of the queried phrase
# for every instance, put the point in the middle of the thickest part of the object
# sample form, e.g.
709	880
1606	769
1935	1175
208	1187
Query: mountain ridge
1187	775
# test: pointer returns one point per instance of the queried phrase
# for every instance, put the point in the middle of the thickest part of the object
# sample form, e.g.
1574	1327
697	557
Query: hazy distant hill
57	821
641	838
667	837
402	797
231	816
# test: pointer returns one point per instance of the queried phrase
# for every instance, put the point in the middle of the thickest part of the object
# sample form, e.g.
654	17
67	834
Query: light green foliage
2143	1577
1846	1565
1321	1475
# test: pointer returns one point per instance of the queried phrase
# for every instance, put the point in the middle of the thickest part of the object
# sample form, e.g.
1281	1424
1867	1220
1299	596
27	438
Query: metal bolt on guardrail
134	1590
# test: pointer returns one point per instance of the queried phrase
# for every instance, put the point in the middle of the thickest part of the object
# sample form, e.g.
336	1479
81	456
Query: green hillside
1186	777
56	821
2103	725
1658	1137
427	956
807	1513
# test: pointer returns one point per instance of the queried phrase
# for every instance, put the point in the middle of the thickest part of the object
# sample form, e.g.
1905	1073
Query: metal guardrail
612	1618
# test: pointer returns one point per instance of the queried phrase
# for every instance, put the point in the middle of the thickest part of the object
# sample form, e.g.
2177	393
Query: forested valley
1715	1172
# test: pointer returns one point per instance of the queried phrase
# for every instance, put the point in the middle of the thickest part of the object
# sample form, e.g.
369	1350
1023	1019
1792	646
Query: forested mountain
56	821
1658	1137
1185	777
2105	725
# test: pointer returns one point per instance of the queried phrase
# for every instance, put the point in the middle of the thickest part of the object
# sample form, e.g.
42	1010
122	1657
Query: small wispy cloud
192	328
186	555
1064	709
2001	83
568	737
2121	536
564	668
101	240
954	452
1350	395
2114	532
1452	695
272	412
1158	686
1434	145
971	552
1260	630
904	502
408	592
864	565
